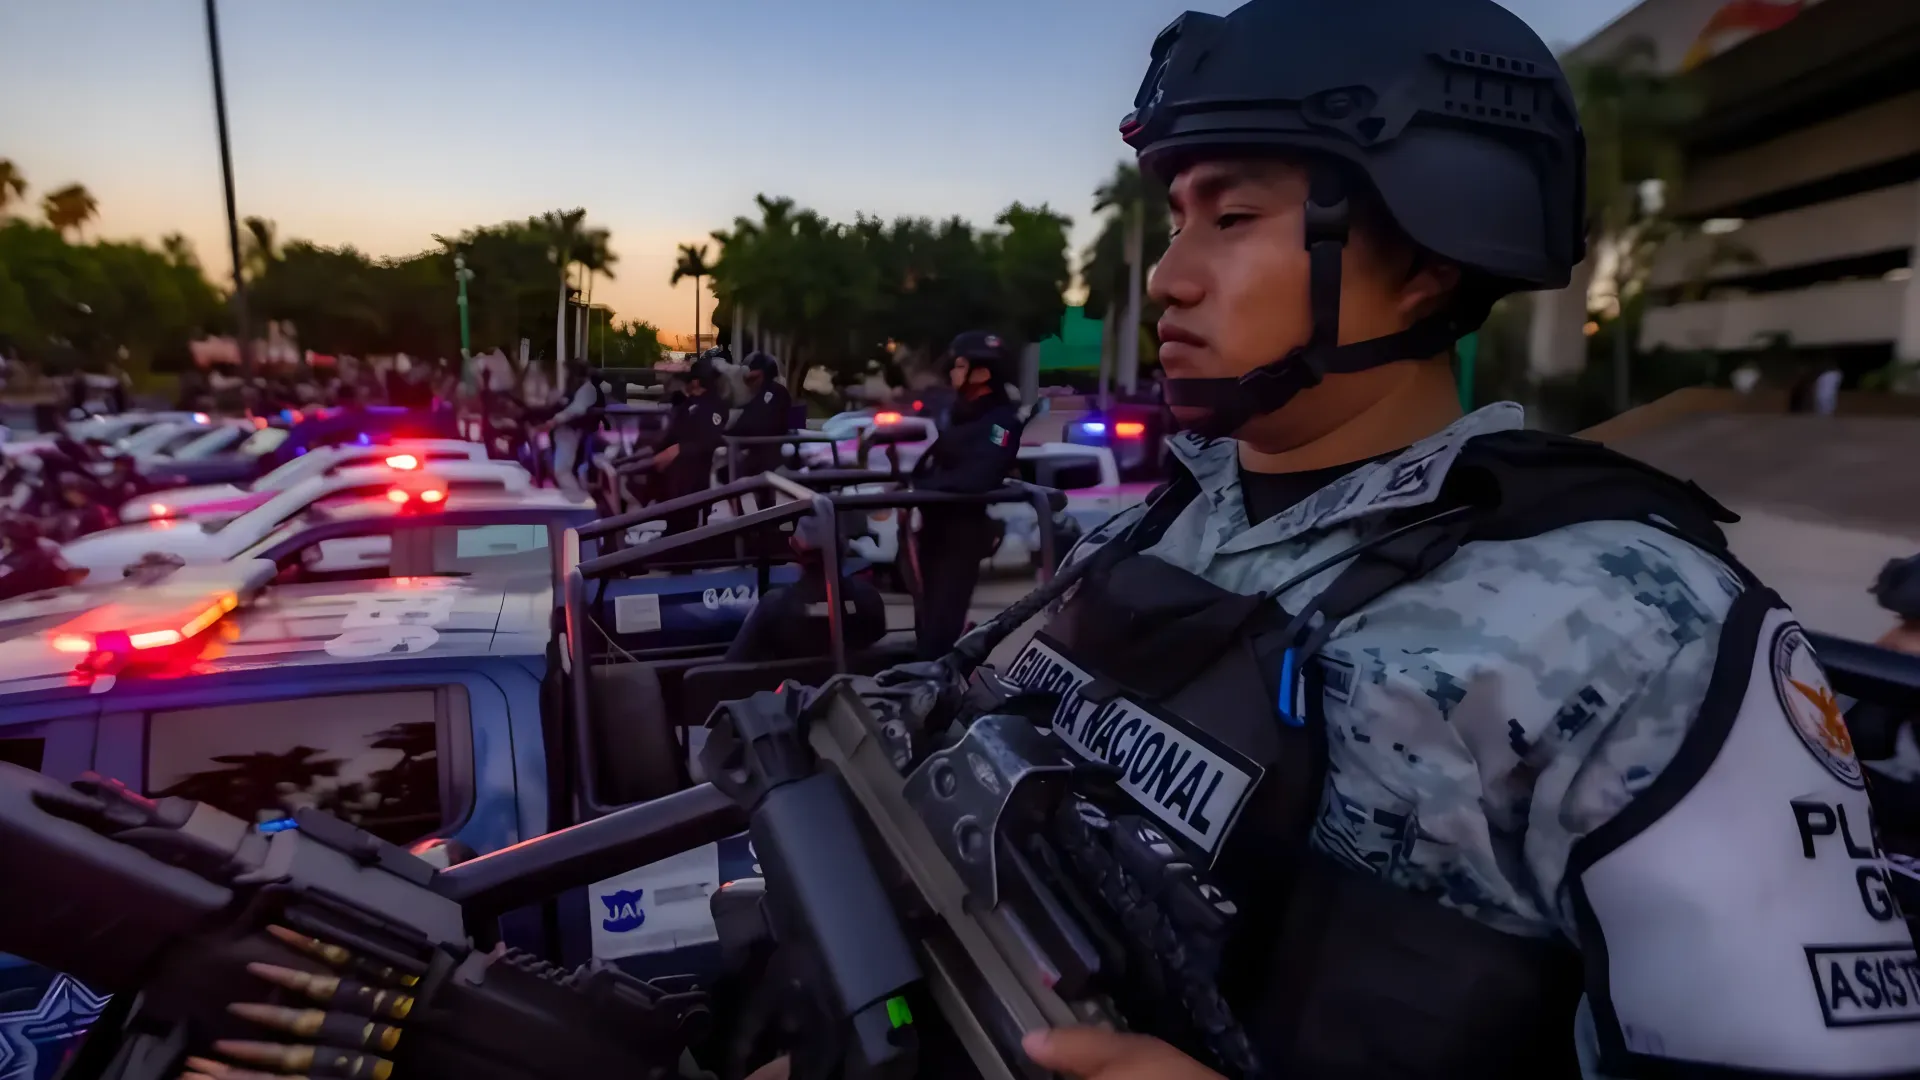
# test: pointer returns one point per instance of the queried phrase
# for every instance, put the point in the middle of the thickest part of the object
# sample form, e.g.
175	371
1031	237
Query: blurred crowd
224	389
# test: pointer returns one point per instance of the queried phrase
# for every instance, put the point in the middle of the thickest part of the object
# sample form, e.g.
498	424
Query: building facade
1802	173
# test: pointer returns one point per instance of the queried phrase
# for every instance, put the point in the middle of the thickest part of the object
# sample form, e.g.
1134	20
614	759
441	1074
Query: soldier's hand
1098	1054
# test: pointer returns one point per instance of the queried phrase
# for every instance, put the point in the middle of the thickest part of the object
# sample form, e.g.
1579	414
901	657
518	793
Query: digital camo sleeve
1719	871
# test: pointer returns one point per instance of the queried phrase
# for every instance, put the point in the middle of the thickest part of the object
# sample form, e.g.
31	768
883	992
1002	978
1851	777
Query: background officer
976	450
573	426
767	411
684	461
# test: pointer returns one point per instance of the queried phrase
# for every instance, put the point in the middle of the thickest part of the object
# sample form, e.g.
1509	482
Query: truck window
28	753
373	758
1069	474
490	548
340	558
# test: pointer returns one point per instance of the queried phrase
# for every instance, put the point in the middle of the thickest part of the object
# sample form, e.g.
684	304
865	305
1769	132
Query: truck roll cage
797	497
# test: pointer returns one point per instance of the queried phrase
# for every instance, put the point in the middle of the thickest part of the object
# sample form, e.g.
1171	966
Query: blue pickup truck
426	705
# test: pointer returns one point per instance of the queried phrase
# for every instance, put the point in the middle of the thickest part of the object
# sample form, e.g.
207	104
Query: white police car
323	461
217	540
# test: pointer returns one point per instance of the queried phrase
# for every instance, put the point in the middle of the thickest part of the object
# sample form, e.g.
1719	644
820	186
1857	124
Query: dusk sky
378	123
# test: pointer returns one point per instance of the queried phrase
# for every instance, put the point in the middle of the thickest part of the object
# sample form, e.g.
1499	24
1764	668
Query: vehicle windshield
264	517
152	439
1064	472
209	443
264	442
287	473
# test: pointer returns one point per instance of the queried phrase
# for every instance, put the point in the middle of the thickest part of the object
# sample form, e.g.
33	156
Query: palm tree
1114	269
1634	115
179	250
692	263
562	229
595	257
260	248
69	208
13	185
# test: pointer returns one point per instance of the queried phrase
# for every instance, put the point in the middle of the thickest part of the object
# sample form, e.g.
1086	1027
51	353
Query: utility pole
462	275
226	174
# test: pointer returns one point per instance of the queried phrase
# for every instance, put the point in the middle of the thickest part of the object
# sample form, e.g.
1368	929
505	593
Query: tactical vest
1191	691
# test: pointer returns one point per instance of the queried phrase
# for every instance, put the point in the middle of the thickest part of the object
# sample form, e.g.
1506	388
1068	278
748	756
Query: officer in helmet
684	460
1498	761
767	411
975	451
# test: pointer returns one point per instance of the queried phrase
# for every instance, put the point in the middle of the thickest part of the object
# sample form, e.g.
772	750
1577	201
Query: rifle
909	872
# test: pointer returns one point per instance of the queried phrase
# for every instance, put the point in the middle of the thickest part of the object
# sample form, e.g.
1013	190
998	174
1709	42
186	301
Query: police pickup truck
403	480
494	686
230	499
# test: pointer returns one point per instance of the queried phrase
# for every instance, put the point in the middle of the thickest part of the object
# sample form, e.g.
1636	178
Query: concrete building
1804	166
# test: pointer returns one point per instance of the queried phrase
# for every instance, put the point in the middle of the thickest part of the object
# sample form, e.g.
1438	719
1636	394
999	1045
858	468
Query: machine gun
930	874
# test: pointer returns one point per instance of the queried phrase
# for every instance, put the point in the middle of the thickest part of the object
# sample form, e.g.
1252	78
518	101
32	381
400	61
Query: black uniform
974	453
767	412
696	429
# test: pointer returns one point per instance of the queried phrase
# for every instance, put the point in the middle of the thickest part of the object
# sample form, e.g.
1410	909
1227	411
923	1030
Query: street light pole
462	275
226	174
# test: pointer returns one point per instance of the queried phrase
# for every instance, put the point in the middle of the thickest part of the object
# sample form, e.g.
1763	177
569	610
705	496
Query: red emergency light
168	631
403	462
430	496
887	418
1129	429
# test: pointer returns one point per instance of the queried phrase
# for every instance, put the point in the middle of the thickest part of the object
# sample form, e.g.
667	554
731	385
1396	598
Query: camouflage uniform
1484	718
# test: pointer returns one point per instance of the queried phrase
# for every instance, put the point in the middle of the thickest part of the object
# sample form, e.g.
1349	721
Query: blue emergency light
1094	427
277	825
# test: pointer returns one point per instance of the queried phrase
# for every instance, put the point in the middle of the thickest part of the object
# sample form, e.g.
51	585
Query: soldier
1500	762
976	450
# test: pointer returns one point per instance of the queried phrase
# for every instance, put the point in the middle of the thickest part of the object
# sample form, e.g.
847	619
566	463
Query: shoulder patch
1810	707
715	417
1000	436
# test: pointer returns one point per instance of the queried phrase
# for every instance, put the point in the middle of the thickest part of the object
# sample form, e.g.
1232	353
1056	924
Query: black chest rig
1189	692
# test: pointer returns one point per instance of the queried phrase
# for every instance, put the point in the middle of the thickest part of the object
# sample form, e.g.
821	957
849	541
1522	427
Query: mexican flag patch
1000	436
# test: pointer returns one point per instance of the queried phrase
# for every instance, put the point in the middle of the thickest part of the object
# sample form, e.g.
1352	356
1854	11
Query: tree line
869	295
850	297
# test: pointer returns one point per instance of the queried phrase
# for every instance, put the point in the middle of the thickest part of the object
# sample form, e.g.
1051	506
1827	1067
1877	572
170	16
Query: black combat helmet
984	348
1453	112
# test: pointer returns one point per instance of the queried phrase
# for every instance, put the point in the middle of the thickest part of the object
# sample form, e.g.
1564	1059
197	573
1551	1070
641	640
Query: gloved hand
1898	587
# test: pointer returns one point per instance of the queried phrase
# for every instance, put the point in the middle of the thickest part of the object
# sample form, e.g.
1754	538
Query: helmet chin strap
1228	403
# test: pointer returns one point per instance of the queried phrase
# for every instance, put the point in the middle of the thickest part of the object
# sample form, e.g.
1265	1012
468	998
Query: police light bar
172	610
403	461
886	418
1129	429
1094	427
202	418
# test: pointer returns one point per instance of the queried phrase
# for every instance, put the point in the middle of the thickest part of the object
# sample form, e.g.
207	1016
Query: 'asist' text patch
1185	780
